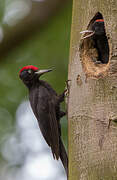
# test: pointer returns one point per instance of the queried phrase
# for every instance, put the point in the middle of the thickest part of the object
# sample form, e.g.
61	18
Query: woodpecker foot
65	93
67	87
61	96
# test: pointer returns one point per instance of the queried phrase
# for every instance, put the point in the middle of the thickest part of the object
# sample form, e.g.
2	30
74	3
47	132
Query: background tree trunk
92	101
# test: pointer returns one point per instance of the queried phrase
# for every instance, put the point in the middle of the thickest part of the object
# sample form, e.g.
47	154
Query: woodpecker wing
49	125
54	130
43	104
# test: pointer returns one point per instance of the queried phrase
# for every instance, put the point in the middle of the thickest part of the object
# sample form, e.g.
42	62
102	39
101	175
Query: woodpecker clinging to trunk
98	34
45	104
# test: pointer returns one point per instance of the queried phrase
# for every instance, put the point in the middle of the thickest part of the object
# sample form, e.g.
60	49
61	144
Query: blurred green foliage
47	47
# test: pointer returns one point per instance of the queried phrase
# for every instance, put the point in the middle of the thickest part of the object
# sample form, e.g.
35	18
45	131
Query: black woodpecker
45	104
98	34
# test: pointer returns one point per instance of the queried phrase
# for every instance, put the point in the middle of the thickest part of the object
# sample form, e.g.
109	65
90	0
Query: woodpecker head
30	74
96	29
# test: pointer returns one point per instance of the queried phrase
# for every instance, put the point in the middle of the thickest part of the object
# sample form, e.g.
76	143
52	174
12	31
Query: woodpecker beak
87	31
40	72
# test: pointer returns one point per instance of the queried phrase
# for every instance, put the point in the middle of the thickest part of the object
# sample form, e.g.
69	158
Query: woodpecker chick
98	34
45	104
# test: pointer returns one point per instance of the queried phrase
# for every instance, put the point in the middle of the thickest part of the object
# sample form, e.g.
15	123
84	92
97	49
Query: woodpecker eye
29	71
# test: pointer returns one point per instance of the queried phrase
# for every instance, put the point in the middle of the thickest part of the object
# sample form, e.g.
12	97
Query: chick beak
40	72
87	31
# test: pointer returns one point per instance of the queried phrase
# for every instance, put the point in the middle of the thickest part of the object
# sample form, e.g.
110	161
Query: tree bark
92	102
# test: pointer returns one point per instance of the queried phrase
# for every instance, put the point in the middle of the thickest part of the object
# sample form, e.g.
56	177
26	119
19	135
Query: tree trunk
92	102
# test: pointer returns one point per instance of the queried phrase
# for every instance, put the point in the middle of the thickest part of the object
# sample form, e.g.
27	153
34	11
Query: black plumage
101	41
97	32
45	104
